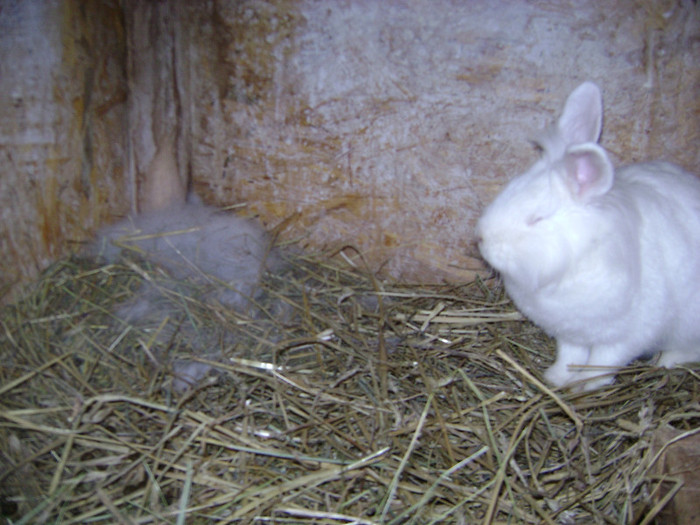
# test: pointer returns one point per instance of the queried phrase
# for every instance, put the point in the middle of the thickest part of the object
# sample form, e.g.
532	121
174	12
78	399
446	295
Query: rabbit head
536	229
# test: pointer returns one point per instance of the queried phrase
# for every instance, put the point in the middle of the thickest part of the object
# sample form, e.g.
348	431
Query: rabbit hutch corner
381	376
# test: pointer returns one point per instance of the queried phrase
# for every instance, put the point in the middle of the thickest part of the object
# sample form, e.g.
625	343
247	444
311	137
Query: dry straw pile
342	400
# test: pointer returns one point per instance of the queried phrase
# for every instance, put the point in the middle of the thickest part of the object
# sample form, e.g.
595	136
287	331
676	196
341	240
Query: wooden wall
385	126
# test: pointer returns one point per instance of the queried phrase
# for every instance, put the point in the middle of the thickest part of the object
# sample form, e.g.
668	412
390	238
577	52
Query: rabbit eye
533	219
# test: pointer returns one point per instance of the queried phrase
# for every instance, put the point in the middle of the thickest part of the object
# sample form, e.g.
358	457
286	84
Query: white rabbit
605	261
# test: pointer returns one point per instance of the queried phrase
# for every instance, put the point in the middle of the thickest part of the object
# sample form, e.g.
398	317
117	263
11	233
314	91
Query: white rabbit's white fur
606	261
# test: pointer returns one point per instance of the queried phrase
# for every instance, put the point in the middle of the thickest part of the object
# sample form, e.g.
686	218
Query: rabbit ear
582	116
589	172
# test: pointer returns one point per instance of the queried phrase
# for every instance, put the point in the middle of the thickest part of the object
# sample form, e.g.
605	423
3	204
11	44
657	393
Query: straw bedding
338	399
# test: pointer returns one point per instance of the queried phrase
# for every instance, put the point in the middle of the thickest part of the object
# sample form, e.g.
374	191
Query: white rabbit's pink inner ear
582	117
589	172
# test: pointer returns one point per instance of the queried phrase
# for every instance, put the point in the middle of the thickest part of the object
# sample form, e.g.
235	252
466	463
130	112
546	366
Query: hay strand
341	399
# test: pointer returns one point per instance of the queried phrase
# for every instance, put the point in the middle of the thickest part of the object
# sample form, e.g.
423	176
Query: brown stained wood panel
62	129
385	126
